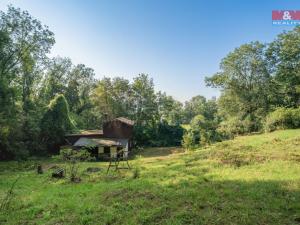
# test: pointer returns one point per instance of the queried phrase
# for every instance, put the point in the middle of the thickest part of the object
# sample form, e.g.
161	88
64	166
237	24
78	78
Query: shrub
234	126
187	140
200	132
230	128
136	173
69	154
72	157
282	118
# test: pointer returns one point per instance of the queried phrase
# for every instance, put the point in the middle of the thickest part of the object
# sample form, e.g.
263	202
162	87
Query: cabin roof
91	142
125	120
86	133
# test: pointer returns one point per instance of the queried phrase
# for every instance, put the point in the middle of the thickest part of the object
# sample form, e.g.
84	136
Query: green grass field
250	180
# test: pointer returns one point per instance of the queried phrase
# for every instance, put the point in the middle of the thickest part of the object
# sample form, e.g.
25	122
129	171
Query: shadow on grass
202	200
205	201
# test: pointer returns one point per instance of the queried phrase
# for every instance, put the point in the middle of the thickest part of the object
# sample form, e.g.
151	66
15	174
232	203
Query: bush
200	132
234	126
136	173
72	157
69	154
187	140
282	118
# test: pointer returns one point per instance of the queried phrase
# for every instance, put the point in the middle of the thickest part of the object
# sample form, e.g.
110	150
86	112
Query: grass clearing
250	180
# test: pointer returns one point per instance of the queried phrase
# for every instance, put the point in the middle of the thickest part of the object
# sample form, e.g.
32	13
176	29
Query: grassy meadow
249	180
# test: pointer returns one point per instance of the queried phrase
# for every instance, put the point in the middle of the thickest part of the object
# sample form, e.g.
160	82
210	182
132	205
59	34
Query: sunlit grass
249	180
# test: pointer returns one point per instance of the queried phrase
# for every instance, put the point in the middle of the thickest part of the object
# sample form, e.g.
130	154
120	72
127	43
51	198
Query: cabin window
100	150
106	150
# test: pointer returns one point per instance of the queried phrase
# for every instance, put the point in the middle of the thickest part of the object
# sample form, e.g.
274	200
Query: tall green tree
144	100
193	107
284	60
169	109
29	42
55	78
113	98
56	123
246	81
199	105
80	83
24	45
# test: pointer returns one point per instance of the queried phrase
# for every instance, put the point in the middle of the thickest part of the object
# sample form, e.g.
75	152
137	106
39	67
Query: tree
145	109
29	42
24	43
8	95
55	78
55	123
169	109
112	98
194	107
245	80
80	82
284	60
144	100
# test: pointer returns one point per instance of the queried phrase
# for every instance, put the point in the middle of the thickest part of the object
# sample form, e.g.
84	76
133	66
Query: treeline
43	98
260	91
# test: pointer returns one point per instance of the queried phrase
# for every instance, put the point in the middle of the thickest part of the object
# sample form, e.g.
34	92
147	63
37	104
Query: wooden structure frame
116	158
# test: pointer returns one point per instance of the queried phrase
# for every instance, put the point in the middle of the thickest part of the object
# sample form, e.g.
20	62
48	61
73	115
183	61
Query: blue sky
177	43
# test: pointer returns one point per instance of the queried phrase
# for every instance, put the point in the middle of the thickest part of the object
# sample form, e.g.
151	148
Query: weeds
136	173
9	196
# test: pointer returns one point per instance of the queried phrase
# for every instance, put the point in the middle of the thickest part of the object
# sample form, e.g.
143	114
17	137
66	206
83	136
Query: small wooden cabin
120	128
116	134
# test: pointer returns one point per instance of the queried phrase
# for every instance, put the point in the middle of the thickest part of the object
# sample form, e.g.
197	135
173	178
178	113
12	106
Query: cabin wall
113	151
117	129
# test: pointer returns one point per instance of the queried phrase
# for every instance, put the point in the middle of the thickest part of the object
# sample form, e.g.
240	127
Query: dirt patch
93	169
160	152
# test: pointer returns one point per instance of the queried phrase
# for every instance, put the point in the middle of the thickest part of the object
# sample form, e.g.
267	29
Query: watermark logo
286	17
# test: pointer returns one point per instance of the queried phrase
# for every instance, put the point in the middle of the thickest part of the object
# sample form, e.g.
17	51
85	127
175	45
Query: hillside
250	180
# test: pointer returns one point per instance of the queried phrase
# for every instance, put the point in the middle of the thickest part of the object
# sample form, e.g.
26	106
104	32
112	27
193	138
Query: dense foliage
55	123
283	118
43	98
255	79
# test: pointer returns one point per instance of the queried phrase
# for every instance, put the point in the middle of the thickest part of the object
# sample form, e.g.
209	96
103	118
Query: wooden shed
116	134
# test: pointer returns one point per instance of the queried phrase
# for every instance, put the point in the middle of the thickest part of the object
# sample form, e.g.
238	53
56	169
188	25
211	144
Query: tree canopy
42	98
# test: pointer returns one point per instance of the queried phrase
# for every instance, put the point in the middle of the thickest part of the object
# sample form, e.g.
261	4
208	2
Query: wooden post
113	152
39	169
